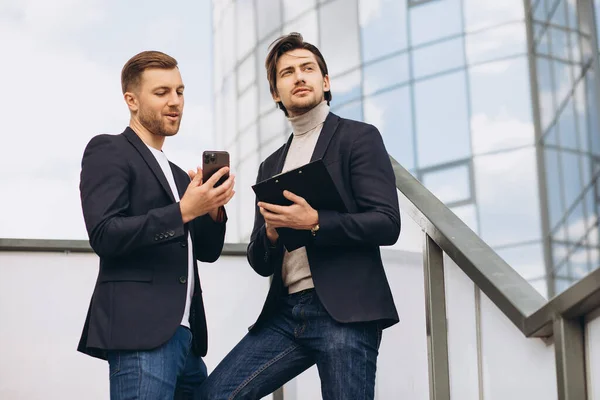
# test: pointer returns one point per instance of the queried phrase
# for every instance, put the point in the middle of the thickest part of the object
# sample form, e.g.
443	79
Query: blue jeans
298	336
171	371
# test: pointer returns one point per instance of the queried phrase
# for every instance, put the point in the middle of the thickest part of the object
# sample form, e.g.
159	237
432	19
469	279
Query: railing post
569	347
437	330
278	394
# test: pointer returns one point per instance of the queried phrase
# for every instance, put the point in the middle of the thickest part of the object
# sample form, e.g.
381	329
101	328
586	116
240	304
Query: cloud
482	13
492	133
62	93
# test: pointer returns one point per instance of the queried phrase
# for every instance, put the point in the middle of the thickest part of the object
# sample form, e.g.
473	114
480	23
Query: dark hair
133	69
281	46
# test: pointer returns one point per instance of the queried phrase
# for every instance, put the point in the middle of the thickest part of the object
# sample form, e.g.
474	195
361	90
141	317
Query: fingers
294	198
191	174
273	208
217	175
197	178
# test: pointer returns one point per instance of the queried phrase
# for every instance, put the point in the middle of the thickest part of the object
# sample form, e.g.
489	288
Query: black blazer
135	226
344	256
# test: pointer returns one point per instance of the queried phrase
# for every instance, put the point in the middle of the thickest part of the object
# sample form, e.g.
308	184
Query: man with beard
149	222
329	300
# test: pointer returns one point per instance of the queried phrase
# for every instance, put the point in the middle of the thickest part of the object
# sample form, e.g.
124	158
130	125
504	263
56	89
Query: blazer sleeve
262	255
104	189
209	237
377	221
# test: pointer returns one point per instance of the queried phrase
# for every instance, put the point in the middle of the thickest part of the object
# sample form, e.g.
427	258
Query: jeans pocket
114	363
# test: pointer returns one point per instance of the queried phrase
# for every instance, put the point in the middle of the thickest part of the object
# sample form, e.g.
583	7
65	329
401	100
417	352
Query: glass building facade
491	104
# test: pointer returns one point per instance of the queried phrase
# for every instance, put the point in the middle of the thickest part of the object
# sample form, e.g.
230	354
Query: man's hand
272	234
202	198
300	215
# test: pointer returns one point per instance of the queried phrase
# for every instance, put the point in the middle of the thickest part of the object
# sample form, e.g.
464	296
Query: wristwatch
314	230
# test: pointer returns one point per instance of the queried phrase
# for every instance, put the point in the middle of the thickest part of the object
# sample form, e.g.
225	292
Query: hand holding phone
212	161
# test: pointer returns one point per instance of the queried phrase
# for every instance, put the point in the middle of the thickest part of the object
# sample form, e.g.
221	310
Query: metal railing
561	317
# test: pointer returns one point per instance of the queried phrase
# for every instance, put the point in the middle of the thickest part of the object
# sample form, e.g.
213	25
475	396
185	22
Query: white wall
592	331
44	298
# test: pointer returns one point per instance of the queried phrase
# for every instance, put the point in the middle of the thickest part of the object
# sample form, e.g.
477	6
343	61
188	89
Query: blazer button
171	233
156	237
182	279
183	244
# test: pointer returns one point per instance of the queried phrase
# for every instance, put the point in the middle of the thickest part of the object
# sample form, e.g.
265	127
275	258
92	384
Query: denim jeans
298	336
171	371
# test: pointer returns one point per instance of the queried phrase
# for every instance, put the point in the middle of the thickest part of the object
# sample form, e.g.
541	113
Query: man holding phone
149	222
330	300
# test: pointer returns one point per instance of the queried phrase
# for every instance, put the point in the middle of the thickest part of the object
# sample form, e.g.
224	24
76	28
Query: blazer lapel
281	160
329	128
148	157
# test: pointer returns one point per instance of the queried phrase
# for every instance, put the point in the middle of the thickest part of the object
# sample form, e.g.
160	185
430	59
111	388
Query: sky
61	68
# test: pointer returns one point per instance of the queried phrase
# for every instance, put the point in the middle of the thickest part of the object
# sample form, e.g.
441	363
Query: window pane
592	107
383	27
228	39
389	72
246	73
567	128
229	108
497	43
437	58
559	254
571	177
247	198
248	143
579	263
266	100
581	111
527	260
449	185
546	92
564	81
307	26
560	43
468	215
442	121
512	177
435	20
269	17
247	108
293	8
339	35
559	17
577	225
483	13
501	116
390	112
351	111
271	126
245	27
346	87
555	203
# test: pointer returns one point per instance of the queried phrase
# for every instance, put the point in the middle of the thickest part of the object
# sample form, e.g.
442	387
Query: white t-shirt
166	168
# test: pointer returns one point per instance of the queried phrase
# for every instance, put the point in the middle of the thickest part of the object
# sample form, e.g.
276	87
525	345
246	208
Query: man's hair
282	45
133	69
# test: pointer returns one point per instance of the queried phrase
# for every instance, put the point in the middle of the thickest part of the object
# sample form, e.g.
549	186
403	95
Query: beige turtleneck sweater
307	127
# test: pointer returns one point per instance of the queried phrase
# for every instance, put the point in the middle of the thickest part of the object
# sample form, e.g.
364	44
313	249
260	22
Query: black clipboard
312	182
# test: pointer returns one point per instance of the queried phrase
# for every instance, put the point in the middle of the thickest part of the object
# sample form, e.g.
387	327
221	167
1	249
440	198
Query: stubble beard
158	126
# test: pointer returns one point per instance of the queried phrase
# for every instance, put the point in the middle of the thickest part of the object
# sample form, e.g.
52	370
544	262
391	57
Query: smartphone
212	161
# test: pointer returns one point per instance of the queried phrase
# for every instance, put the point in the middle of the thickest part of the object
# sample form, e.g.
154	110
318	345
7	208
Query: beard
158	125
299	106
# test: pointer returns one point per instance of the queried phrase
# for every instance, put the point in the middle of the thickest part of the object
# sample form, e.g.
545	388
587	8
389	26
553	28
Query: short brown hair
281	46
133	69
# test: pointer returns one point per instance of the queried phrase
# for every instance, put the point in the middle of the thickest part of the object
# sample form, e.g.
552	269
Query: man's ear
131	100
276	97
326	87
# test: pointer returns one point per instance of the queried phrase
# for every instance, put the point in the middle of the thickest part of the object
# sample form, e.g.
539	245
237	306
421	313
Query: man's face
160	101
300	83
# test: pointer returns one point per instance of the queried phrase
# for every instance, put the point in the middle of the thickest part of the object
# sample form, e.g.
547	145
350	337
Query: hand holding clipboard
313	183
